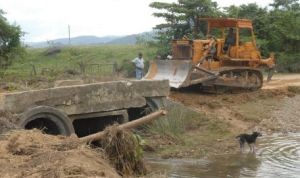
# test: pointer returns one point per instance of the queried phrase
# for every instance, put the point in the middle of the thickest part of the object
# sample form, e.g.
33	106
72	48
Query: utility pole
69	29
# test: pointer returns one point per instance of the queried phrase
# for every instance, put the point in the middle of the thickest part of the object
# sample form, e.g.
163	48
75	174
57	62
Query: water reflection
220	166
278	156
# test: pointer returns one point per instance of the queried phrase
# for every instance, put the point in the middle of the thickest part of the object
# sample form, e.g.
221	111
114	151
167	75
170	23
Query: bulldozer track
236	80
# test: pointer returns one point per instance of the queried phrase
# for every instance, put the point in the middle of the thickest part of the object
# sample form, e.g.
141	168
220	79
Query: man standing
139	66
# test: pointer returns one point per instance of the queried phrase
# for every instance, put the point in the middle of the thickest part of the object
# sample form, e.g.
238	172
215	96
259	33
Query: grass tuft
172	125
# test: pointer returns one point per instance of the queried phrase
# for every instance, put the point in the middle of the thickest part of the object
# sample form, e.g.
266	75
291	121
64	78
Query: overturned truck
84	109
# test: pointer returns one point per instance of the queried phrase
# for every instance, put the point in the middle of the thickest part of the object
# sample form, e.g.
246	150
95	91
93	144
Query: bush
10	43
288	62
178	120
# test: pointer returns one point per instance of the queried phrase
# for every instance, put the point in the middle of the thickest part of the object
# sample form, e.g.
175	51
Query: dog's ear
257	132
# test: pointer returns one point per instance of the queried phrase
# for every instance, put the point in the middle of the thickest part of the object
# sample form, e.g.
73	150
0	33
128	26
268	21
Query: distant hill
80	40
90	40
130	39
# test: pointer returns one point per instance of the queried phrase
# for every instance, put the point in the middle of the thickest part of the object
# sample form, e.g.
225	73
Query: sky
43	20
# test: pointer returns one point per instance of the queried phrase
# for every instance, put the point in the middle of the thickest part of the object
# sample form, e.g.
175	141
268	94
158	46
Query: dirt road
283	80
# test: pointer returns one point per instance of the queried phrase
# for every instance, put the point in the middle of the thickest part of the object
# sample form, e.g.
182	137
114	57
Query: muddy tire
155	103
152	104
48	119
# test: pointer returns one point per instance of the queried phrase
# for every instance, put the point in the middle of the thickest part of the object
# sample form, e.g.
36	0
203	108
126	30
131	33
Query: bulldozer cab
244	44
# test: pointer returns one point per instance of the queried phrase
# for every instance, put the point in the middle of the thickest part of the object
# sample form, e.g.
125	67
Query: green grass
70	57
181	120
172	125
185	133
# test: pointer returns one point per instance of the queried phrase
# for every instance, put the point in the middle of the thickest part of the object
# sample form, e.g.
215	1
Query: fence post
115	67
33	70
82	67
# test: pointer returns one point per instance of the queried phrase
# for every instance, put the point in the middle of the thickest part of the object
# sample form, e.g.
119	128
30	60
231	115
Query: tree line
10	41
277	26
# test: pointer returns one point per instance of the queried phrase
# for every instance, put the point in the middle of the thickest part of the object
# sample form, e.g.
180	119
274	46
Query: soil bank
221	117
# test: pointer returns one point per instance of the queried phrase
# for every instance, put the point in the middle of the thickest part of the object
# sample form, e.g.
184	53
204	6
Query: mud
33	154
209	148
273	108
221	117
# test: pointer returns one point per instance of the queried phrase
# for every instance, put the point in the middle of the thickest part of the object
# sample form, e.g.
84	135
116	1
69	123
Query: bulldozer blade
176	71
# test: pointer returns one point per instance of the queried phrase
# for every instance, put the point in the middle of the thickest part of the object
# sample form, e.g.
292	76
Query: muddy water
276	156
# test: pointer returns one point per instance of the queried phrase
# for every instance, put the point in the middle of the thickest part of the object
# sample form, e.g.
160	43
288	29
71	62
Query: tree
284	24
285	4
284	36
10	45
182	19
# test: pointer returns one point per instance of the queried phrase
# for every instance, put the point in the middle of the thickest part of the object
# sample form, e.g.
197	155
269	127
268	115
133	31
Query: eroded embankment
219	118
264	110
33	154
30	153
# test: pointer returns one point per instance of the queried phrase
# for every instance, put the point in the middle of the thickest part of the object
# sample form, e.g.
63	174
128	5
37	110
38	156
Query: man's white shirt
139	63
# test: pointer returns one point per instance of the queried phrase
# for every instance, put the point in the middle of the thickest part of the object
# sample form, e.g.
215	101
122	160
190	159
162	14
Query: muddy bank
272	110
30	153
33	154
222	117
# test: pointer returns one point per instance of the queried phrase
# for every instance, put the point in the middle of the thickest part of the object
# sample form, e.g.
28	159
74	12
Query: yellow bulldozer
227	58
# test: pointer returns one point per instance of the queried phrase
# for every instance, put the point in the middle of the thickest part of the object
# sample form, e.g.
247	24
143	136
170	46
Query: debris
6	123
30	153
123	150
128	125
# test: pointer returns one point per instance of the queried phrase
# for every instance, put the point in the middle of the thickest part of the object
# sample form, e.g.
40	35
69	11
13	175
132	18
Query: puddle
277	156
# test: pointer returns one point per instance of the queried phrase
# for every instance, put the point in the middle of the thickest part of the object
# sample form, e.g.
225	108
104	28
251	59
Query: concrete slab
87	98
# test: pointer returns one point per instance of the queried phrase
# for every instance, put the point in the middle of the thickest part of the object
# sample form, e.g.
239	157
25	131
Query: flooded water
276	156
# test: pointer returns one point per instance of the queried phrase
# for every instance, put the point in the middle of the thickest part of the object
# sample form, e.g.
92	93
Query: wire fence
32	70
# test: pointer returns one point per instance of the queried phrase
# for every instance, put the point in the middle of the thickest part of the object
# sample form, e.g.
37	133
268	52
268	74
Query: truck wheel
152	104
48	119
155	103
